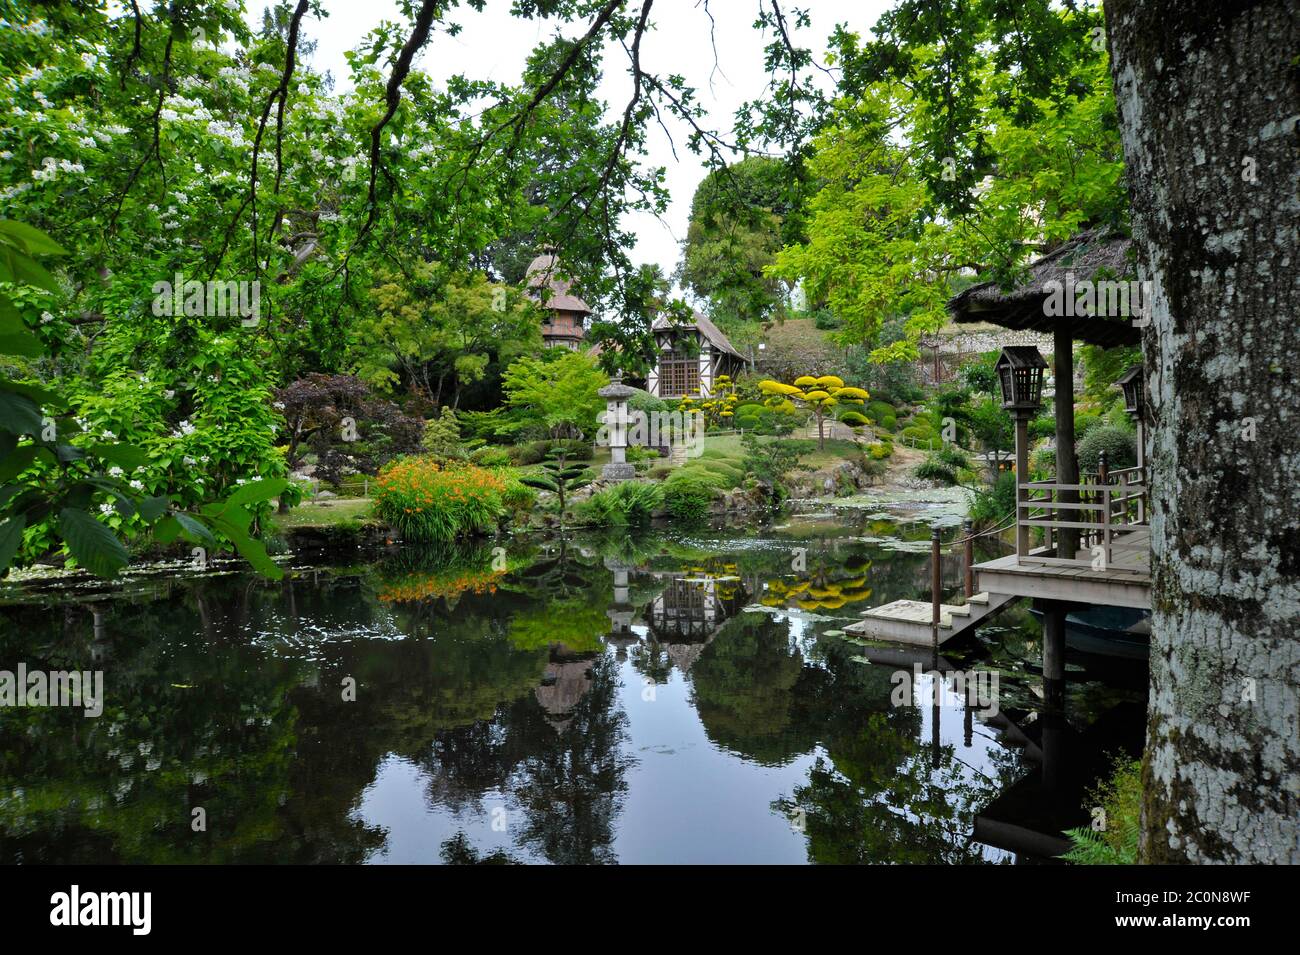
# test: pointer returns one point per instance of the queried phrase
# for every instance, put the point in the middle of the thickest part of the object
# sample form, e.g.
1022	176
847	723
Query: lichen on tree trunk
1209	95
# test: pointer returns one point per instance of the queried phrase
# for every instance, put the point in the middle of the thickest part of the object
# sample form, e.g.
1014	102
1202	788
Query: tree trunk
1208	97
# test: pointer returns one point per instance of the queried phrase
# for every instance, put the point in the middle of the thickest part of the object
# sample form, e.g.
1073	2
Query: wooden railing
1106	512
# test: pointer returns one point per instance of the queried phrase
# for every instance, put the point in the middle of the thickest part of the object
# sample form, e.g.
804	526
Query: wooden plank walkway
1079	583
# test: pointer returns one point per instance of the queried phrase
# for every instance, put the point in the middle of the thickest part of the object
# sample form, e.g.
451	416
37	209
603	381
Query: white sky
494	45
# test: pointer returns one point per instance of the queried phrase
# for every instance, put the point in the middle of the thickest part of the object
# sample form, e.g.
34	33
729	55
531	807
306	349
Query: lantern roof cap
616	389
1022	356
1132	374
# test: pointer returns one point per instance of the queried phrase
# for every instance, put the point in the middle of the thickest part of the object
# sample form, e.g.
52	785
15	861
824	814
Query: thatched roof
710	331
1089	256
545	270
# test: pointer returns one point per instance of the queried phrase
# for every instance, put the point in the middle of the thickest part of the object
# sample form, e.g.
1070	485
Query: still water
655	698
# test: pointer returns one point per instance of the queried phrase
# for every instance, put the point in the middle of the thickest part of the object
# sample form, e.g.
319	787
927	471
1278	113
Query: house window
678	377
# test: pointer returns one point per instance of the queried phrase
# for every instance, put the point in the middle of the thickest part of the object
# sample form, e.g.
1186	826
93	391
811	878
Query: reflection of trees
881	799
187	724
746	688
570	791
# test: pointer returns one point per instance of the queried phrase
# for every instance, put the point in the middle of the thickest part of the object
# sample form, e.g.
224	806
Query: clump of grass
427	502
1115	840
631	502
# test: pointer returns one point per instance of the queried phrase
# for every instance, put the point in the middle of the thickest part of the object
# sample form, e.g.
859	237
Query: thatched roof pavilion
1093	256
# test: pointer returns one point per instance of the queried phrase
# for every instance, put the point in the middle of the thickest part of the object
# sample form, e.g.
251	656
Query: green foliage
1007	109
442	435
992	505
427	503
560	477
69	483
624	504
1120	447
687	497
770	461
933	469
980	375
490	457
1120	800
558	389
738	222
431	326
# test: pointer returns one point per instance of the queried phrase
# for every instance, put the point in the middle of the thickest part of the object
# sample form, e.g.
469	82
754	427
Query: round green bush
1120	447
687	498
491	457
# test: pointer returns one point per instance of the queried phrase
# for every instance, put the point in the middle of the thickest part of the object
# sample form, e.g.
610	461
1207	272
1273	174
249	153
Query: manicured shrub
687	498
1120	447
877	411
880	450
426	502
517	496
490	457
631	502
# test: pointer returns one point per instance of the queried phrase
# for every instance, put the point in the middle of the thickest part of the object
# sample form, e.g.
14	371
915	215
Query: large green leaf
18	460
194	528
257	491
249	548
11	536
21	269
29	239
152	507
93	544
23	343
128	457
19	414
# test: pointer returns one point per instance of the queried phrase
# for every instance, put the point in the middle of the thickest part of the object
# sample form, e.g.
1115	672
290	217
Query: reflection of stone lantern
1020	371
616	394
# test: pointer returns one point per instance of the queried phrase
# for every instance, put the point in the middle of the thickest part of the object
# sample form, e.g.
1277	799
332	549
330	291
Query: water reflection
640	699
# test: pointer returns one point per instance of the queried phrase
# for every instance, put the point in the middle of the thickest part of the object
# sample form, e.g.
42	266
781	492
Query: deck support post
1067	466
968	555
936	584
1054	653
1022	477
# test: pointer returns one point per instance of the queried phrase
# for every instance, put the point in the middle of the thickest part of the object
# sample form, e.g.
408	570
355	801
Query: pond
664	697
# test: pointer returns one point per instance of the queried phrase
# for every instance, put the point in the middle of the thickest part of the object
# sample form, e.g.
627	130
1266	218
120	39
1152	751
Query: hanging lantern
1020	371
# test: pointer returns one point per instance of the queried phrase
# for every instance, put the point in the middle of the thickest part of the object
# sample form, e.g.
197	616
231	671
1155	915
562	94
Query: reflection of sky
687	799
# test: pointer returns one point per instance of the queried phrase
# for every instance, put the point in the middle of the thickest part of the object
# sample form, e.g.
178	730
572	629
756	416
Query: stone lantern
616	394
1020	371
1133	384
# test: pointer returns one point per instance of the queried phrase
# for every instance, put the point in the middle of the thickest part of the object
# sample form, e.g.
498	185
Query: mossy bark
1209	96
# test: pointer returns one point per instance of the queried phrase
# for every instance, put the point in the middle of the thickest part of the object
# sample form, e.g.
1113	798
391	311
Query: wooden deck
911	621
1076	582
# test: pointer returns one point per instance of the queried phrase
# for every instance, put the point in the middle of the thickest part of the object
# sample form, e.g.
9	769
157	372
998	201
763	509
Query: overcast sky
494	45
